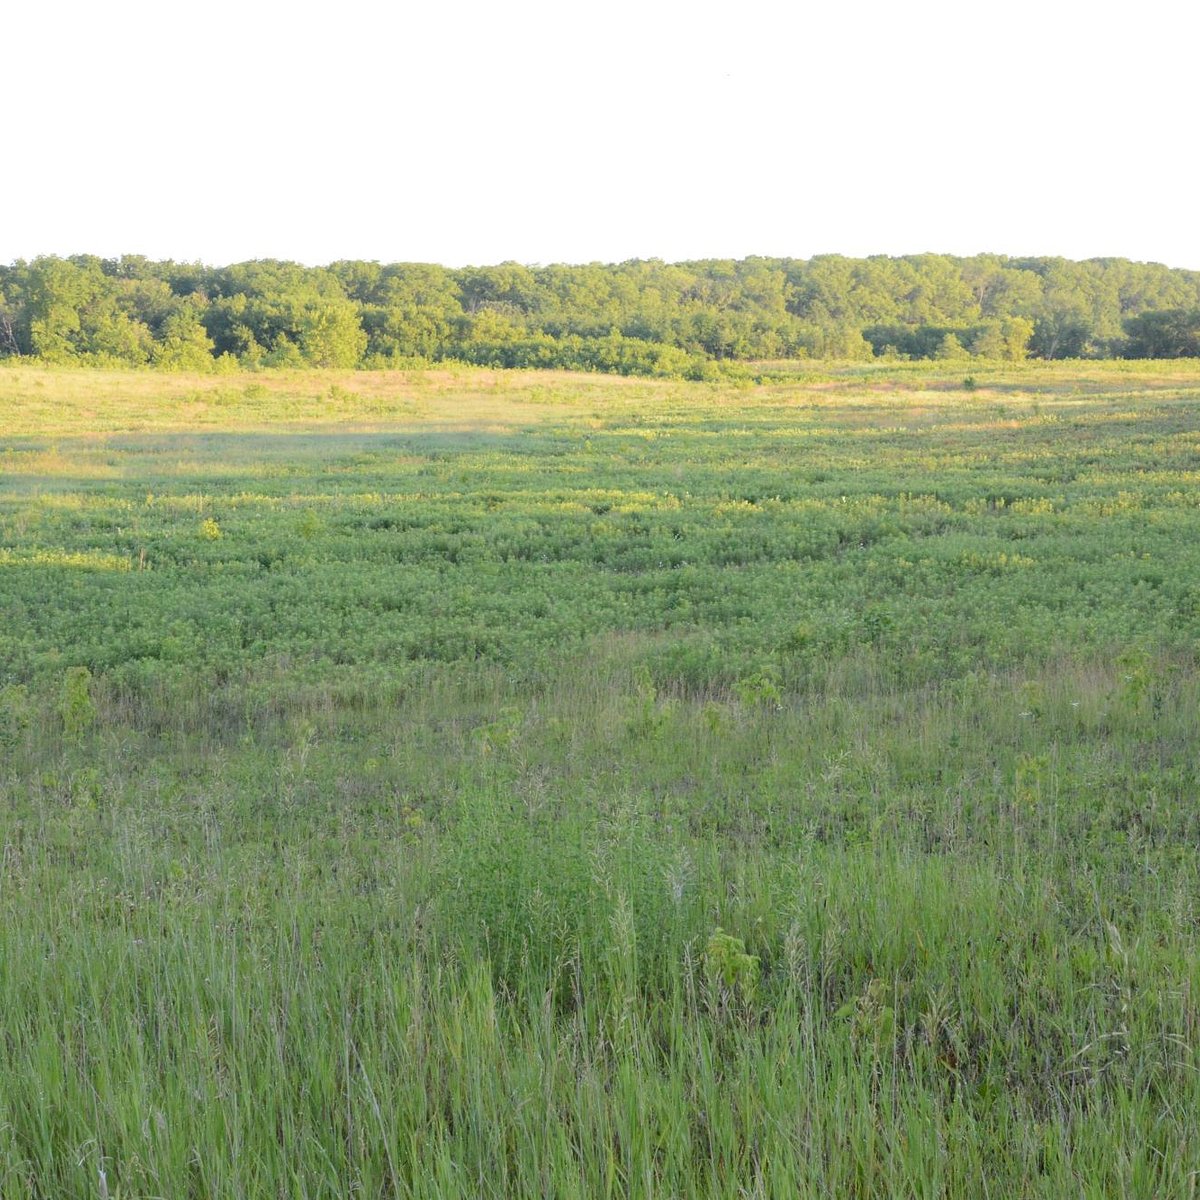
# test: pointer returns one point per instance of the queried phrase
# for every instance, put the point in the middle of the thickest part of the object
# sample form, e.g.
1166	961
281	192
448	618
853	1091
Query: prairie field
472	783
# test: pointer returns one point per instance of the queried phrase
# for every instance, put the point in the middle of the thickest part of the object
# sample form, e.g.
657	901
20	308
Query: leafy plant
75	706
728	965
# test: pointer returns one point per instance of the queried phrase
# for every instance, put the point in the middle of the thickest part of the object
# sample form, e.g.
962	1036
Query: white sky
550	131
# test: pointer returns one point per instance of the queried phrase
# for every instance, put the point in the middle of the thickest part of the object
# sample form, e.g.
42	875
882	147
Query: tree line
639	317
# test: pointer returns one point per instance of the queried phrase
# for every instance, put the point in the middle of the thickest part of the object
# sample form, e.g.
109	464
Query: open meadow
468	783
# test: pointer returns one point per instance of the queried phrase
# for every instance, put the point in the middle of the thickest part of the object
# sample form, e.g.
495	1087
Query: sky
540	132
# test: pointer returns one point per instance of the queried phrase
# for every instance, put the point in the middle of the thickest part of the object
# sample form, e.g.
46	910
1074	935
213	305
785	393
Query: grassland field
465	783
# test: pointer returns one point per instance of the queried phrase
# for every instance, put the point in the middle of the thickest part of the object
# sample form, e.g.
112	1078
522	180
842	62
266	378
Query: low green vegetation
464	783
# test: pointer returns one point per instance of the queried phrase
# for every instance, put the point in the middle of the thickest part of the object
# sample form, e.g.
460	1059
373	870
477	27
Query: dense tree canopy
638	317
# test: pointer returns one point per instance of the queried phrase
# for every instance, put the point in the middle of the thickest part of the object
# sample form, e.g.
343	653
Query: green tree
73	312
184	344
988	341
329	333
413	311
1061	333
1174	333
1017	333
951	348
10	340
57	292
132	310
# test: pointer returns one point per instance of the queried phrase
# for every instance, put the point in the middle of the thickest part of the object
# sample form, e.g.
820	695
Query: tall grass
895	899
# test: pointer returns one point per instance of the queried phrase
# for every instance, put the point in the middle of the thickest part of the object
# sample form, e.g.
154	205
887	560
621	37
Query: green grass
382	755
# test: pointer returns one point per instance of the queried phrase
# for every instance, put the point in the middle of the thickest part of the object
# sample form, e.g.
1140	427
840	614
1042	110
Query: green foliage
729	966
1174	333
950	347
591	786
75	705
330	335
1137	678
17	715
648	318
872	1019
1007	340
184	344
760	690
1016	333
1063	333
